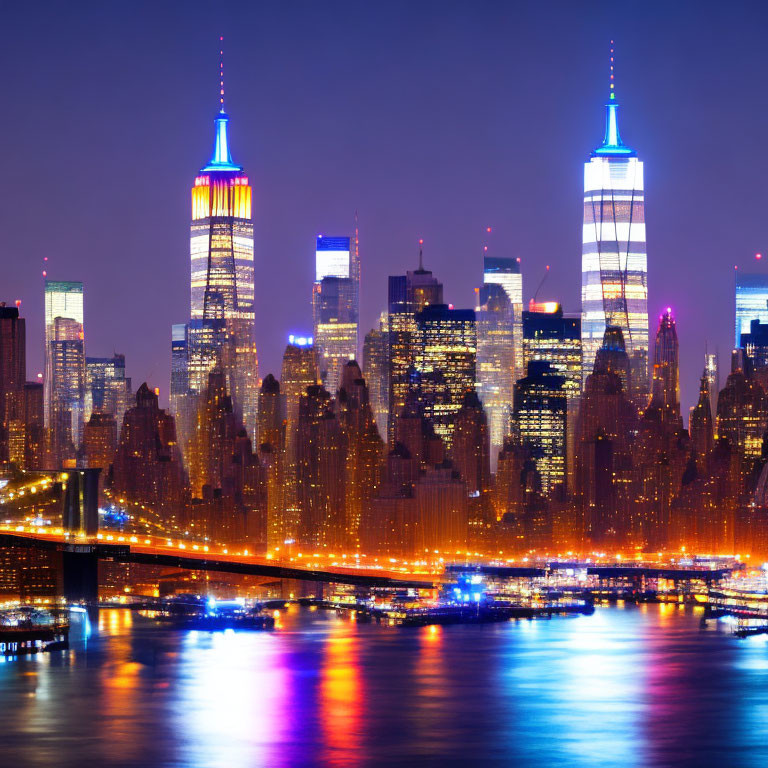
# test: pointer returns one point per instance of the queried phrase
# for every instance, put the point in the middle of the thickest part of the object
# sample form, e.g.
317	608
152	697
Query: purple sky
433	120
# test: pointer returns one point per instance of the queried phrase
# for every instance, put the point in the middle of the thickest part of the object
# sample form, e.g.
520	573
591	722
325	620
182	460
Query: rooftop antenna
613	95
421	255
221	72
546	273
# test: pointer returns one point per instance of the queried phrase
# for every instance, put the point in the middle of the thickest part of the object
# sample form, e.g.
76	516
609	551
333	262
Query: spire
612	143
221	73
222	157
421	255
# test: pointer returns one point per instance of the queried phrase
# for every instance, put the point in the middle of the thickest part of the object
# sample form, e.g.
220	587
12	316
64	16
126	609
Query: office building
751	302
13	370
299	371
64	380
108	390
444	363
407	295
497	354
541	422
550	336
376	372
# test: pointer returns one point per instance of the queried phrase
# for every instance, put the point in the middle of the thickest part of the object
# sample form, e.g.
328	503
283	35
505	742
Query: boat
26	630
190	612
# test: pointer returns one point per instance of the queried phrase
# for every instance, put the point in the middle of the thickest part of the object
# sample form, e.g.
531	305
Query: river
631	686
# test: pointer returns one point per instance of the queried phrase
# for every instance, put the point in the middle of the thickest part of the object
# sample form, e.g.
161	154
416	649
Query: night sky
433	120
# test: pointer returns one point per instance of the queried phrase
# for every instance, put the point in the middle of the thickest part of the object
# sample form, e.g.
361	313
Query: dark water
624	687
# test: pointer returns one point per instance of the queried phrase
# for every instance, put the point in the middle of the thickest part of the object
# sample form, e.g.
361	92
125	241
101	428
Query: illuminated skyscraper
407	295
551	337
321	454
666	377
272	454
496	367
444	363
64	369
299	371
13	369
505	272
335	306
362	449
755	345
614	287
222	289
541	416
751	302
179	364
712	372
108	390
376	372
34	426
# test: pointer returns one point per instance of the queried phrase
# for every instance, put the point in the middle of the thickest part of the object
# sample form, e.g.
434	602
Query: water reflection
341	695
231	702
633	687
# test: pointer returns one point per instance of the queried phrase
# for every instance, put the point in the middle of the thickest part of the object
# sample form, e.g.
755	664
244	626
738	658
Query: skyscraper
614	287
712	372
64	369
222	289
541	417
272	454
701	426
444	363
550	336
100	442
505	271
496	361
376	372
407	295
34	426
755	344
335	306
13	369
299	372
107	388
751	302
666	378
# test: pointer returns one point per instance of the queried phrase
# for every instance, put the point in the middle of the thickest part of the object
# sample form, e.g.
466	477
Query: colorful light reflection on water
632	687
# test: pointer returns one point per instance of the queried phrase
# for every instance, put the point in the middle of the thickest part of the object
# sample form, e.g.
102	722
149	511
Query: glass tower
335	306
496	362
108	389
506	273
614	285
64	397
751	302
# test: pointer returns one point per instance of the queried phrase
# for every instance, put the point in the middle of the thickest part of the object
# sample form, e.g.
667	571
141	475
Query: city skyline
566	118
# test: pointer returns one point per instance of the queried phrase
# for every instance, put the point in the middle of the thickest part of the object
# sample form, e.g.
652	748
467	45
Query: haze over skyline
456	121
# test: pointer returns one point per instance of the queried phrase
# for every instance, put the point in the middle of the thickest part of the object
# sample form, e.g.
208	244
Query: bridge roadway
143	550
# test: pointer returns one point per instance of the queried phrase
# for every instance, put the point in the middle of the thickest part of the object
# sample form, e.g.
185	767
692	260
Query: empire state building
221	330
